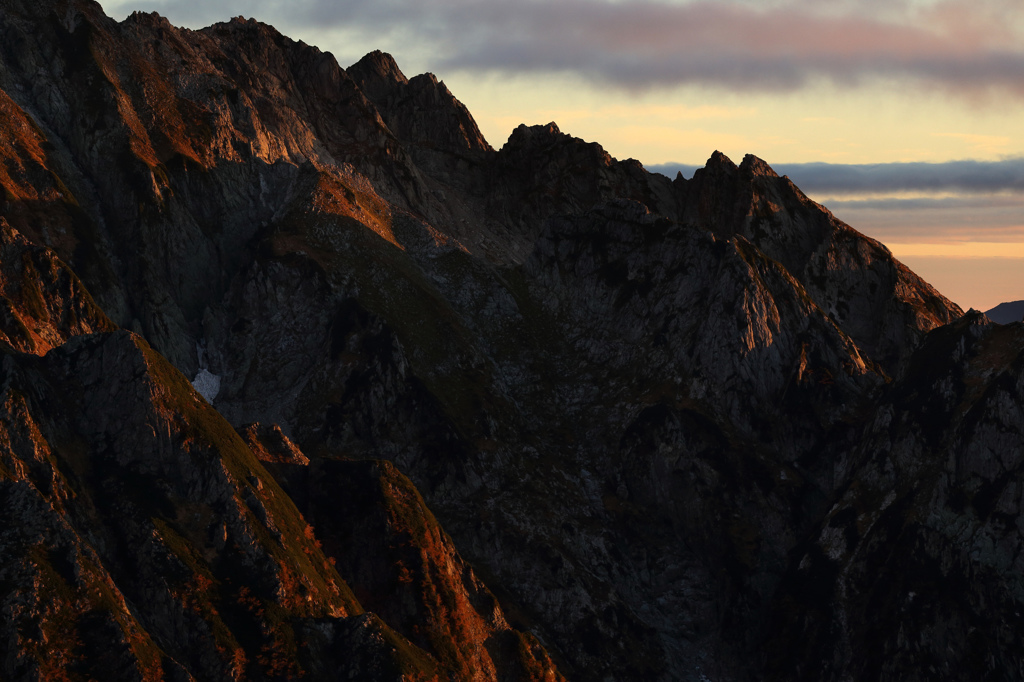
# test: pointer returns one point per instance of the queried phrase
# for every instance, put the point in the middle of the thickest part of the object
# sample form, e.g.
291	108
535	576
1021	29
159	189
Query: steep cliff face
378	532
42	302
368	511
421	112
541	412
692	402
143	534
179	146
884	307
915	570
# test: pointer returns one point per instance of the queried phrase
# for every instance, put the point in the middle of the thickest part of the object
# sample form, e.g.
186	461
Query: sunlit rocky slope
519	414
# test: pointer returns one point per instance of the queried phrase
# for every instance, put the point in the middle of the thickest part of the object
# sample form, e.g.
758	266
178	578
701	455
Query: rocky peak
754	166
151	19
421	111
377	74
720	172
545	172
524	134
529	144
251	38
717	163
881	304
975	317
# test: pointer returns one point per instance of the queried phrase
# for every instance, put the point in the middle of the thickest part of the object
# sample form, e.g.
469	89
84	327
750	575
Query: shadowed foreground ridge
530	413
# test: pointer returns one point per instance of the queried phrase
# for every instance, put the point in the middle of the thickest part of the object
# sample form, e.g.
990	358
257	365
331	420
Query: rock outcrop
42	302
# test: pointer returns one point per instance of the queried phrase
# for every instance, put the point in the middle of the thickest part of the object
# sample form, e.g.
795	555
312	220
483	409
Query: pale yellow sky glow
979	283
959	249
873	124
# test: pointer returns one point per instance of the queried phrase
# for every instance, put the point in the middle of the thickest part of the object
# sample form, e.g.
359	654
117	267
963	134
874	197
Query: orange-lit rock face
33	199
271	446
43	302
405	568
334	197
21	154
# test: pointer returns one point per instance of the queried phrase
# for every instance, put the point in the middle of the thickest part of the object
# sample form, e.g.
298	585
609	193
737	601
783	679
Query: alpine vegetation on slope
542	412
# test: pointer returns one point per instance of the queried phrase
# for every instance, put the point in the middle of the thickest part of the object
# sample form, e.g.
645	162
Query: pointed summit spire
376	70
755	166
719	160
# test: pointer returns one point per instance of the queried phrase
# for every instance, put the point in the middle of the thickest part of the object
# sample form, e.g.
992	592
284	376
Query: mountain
1005	313
903	571
528	413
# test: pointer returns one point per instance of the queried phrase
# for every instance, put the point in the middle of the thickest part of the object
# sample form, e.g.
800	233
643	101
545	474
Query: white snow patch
208	384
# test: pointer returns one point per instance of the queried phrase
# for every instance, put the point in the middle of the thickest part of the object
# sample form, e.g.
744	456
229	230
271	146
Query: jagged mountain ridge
630	401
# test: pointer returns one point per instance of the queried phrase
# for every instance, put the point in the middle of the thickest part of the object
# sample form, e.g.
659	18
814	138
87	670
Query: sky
903	117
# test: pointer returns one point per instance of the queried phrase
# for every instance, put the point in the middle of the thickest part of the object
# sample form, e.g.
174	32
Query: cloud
947	220
965	46
1012	206
962	177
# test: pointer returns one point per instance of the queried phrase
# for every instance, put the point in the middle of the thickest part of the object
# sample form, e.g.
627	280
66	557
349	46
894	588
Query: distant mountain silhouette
1005	313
